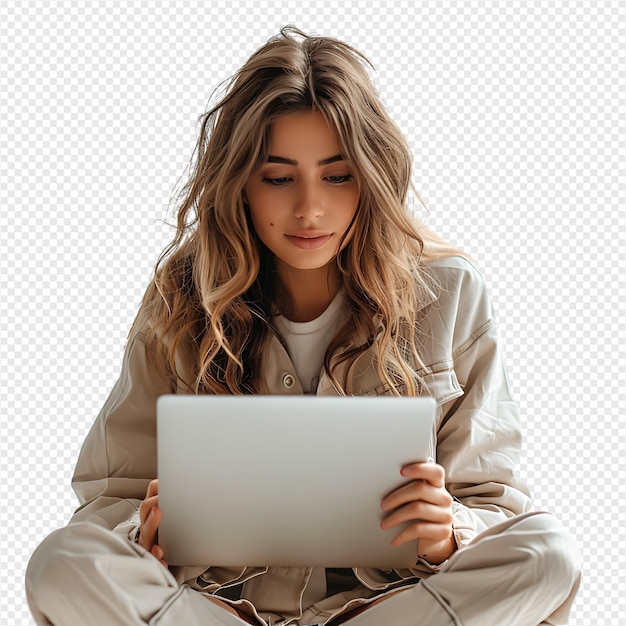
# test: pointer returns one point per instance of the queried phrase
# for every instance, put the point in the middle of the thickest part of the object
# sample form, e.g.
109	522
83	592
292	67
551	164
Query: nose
309	202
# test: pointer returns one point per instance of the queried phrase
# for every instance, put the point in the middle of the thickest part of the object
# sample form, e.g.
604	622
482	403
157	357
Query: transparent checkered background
515	112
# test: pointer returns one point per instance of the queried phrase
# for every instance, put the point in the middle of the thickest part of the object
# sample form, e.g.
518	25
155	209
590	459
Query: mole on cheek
272	224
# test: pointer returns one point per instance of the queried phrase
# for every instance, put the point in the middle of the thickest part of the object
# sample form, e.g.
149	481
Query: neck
303	295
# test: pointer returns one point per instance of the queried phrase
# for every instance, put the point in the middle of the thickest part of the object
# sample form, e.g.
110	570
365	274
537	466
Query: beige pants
522	572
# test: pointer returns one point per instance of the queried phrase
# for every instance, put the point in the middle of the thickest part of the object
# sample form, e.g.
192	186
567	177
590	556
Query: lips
308	240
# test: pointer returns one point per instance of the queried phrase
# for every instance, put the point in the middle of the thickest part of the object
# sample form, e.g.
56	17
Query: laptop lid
286	480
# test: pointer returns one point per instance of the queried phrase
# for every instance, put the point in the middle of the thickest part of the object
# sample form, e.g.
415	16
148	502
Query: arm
473	487
479	432
118	457
118	461
478	429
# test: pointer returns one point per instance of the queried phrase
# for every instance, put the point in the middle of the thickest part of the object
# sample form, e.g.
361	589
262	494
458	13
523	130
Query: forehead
303	132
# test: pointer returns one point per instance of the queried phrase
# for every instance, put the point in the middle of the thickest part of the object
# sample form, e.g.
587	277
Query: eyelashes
338	180
283	180
277	182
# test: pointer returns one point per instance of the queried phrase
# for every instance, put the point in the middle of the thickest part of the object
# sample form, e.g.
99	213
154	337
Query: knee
46	564
52	556
58	566
551	548
91	562
47	570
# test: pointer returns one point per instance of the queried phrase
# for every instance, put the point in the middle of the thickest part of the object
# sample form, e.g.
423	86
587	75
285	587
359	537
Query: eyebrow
278	159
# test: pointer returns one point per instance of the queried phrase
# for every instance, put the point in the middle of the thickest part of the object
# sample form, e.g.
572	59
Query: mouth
308	240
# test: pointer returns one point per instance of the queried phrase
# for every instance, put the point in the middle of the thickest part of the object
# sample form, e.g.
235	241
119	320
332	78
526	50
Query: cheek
353	203
263	223
264	226
263	208
348	229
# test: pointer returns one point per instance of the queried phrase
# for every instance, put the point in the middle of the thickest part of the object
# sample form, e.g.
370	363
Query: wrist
436	553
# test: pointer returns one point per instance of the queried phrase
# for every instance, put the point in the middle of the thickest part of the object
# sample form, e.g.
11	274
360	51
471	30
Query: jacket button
288	381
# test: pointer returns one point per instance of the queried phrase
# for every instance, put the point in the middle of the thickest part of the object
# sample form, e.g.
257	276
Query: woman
295	252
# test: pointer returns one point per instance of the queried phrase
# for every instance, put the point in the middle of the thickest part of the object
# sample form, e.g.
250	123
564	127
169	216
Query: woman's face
303	198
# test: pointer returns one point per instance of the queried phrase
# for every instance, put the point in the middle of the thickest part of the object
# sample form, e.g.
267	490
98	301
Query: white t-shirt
306	342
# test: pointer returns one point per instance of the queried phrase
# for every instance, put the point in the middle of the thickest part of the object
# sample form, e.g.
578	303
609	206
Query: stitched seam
475	336
442	603
436	367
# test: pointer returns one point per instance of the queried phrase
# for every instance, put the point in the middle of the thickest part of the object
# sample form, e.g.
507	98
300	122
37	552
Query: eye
338	180
277	182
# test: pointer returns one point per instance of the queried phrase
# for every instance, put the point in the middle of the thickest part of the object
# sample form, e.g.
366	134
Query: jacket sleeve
118	457
478	429
479	433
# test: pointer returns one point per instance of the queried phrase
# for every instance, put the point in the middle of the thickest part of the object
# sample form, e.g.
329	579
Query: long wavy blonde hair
208	309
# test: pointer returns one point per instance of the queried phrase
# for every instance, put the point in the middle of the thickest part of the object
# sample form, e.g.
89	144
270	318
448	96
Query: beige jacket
478	441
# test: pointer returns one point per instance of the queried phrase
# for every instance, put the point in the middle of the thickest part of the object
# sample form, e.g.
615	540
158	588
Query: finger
146	506
153	488
418	512
416	491
148	530
157	552
422	531
433	473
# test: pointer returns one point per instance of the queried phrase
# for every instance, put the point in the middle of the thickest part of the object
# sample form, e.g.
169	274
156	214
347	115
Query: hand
426	504
149	519
150	516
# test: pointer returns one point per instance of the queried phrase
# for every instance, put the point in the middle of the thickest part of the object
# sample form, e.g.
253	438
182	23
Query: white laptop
286	480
